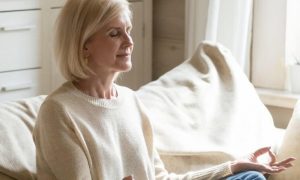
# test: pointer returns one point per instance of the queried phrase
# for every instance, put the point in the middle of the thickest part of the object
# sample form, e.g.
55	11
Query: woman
91	128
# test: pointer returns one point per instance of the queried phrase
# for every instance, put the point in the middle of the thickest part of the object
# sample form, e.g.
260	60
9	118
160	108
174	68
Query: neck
104	89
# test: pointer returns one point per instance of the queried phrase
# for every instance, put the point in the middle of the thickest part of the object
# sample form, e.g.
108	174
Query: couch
203	112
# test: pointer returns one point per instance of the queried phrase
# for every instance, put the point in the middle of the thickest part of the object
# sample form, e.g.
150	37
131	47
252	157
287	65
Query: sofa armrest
290	147
17	153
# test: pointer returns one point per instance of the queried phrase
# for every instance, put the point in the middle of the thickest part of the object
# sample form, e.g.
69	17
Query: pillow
17	149
207	104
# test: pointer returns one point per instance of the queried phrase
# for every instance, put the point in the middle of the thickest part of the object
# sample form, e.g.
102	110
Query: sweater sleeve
59	153
215	172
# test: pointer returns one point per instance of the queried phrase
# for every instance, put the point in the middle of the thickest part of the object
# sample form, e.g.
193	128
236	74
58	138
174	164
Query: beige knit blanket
207	104
205	111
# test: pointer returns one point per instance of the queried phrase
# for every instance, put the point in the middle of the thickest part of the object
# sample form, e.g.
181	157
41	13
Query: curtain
225	21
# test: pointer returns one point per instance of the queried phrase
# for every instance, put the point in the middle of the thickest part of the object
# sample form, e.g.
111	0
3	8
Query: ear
86	52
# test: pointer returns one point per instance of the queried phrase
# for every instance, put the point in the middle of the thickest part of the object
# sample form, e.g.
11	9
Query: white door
56	78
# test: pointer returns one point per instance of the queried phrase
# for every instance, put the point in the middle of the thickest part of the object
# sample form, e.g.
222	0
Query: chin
124	64
125	67
128	68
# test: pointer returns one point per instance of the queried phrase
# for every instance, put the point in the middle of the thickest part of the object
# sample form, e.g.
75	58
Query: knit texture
205	112
82	137
209	97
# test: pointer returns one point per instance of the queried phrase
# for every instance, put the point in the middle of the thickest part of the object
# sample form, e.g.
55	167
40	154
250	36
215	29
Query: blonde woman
91	128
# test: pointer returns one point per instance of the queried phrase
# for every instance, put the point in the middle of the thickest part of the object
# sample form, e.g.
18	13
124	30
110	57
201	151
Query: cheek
104	54
103	48
107	46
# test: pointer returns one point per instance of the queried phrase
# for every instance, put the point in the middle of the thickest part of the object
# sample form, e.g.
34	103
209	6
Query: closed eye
114	33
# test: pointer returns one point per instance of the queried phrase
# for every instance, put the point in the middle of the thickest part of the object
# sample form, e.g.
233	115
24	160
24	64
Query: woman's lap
247	175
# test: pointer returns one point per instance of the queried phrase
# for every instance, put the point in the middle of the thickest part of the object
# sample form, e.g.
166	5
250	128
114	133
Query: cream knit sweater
79	137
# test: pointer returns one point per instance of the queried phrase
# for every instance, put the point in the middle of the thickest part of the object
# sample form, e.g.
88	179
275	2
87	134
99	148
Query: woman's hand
251	163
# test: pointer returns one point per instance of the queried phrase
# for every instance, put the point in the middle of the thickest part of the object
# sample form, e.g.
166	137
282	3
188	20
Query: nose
128	42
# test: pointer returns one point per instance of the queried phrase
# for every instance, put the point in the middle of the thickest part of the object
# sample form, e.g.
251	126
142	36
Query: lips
123	54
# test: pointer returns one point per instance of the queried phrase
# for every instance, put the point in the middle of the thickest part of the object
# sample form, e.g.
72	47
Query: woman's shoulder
55	107
59	96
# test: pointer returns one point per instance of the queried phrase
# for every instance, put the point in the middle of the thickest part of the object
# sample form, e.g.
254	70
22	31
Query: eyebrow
116	27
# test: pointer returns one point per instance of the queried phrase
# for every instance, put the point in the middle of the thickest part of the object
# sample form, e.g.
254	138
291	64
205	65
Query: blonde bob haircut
77	22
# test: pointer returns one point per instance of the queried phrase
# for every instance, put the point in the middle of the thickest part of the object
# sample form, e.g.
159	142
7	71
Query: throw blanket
207	104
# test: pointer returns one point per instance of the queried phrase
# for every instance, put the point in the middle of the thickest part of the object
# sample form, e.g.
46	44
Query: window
263	35
276	41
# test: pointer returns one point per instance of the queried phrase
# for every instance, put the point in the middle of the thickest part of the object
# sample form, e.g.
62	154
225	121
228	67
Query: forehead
120	20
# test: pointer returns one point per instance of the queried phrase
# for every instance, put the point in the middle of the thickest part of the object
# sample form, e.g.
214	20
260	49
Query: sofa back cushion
17	149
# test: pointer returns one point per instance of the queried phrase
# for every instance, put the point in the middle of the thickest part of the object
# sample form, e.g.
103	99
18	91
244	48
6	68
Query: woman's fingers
273	157
239	166
272	167
284	162
268	169
253	157
261	151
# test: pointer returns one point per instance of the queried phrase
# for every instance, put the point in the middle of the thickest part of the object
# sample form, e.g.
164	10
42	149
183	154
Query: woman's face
109	50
